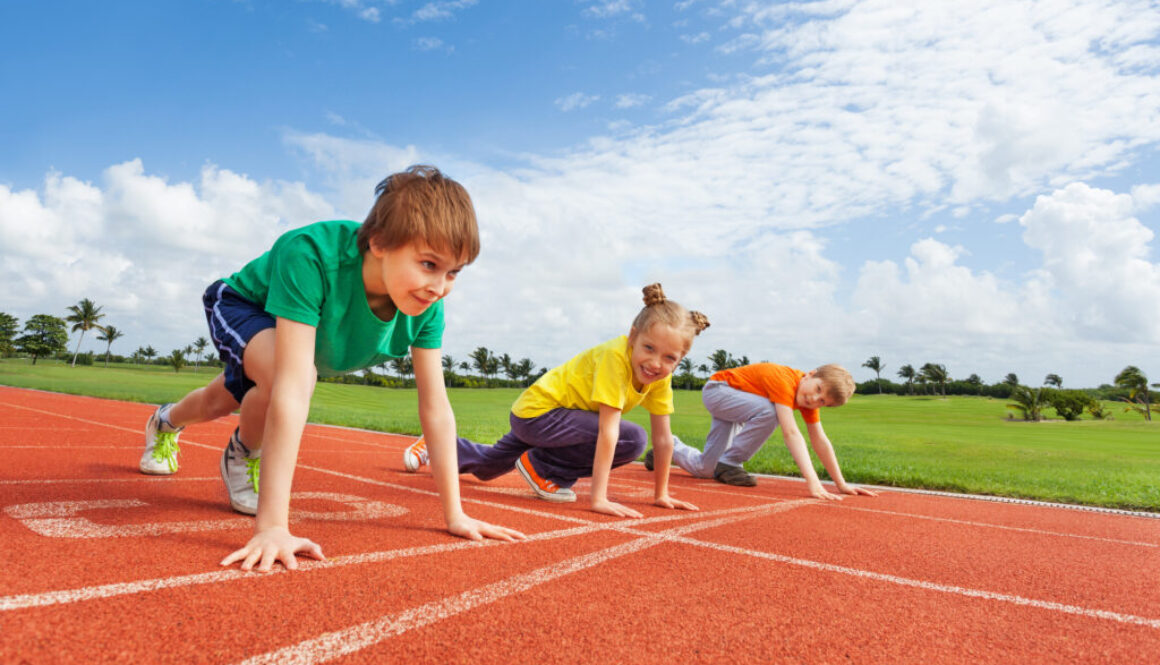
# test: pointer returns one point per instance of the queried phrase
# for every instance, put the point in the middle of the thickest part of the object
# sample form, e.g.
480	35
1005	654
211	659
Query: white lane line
987	525
928	586
55	447
66	596
143	479
356	638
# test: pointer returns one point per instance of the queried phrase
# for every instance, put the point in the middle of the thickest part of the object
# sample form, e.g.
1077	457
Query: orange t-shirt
777	383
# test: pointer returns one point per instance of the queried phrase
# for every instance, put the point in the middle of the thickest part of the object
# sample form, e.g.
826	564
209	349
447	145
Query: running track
103	564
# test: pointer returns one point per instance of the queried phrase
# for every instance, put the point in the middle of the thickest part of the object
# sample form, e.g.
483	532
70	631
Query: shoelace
253	470
166	449
420	451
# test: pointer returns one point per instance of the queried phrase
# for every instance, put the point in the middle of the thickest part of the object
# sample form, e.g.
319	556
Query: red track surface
103	564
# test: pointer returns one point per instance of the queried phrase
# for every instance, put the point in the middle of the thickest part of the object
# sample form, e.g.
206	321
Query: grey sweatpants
741	423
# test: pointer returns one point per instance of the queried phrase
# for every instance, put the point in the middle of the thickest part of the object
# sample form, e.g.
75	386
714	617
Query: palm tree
85	315
484	361
907	372
109	334
199	345
936	373
1029	403
1011	379
149	352
721	359
875	364
508	367
524	370
1136	383
1053	380
686	368
176	360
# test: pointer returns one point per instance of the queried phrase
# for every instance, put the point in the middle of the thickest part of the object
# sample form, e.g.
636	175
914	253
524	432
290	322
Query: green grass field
960	444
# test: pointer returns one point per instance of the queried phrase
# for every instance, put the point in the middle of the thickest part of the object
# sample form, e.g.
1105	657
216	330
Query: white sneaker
160	456
240	469
415	456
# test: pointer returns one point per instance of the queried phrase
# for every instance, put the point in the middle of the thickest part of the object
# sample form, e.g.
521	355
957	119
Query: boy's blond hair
837	384
422	204
659	309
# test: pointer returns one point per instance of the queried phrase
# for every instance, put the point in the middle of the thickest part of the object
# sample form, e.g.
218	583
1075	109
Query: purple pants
563	445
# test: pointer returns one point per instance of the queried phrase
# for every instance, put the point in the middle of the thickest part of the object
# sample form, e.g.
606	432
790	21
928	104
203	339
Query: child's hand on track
820	492
854	489
271	545
473	529
674	504
613	508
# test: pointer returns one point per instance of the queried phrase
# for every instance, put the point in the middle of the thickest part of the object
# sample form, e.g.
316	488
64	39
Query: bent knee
633	440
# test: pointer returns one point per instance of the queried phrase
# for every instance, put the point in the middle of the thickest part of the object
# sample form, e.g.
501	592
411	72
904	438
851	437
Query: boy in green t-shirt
329	298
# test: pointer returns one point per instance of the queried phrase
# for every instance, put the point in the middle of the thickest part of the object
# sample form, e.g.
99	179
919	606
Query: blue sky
975	184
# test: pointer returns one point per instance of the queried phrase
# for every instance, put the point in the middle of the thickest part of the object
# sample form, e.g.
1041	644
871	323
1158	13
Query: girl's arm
662	439
438	422
602	464
825	452
293	380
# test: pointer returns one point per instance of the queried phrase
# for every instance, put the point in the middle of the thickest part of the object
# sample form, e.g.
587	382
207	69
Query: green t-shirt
313	275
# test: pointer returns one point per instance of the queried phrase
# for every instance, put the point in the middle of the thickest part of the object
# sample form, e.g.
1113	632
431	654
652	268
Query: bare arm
801	455
662	439
825	452
602	464
438	422
293	383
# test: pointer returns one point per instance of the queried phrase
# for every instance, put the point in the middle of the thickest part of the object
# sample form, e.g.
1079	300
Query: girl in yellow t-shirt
568	424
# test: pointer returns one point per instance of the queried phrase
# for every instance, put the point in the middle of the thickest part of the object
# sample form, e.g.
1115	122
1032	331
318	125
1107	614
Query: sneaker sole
239	507
149	471
546	496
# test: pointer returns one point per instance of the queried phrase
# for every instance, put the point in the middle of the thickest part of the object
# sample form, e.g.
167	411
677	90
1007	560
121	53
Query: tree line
46	336
1130	386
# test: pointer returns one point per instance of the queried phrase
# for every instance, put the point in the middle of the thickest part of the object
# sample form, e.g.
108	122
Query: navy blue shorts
233	322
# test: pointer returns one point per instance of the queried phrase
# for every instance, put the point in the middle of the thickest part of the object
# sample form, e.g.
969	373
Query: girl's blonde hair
659	309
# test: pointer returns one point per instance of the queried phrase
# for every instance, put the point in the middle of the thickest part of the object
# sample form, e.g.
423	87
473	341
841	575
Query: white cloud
576	100
698	38
1096	255
140	246
631	100
429	44
441	11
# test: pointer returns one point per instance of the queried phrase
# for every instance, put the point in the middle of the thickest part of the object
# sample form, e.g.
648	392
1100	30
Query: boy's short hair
837	384
422	204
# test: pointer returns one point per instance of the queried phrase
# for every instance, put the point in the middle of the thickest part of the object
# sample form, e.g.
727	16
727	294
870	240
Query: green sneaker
240	472
160	456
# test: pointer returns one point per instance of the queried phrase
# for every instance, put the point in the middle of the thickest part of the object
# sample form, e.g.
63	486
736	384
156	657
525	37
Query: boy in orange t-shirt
748	403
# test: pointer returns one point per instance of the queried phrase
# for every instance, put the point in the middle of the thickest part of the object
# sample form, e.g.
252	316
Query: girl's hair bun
700	321
653	294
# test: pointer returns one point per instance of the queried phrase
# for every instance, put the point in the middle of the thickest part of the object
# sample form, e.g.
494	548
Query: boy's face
811	393
414	276
655	354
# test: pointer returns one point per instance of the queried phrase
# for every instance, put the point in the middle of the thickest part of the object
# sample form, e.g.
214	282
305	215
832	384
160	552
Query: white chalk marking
928	586
988	525
58	519
356	638
67	596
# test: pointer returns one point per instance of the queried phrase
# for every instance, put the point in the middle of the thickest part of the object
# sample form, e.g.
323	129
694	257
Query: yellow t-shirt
600	375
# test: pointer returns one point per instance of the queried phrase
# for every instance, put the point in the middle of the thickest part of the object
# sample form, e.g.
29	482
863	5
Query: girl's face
655	353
